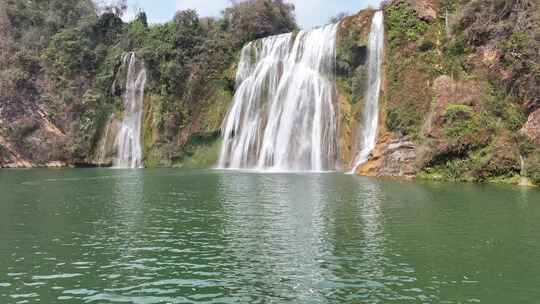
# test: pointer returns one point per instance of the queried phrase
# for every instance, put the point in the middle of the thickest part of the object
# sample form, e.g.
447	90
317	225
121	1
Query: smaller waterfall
524	180
370	120
128	140
102	153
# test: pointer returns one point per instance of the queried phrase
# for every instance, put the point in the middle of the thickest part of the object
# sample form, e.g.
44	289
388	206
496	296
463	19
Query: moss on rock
351	79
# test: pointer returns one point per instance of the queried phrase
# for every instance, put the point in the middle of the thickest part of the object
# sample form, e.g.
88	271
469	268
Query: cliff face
351	79
60	105
460	93
460	99
29	136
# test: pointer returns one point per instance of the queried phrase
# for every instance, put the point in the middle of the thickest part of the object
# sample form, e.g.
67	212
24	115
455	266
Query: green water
171	236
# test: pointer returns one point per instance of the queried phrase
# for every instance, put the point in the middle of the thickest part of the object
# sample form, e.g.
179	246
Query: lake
174	236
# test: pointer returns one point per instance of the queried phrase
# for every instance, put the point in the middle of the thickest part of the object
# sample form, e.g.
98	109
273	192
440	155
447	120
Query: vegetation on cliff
351	78
26	28
59	59
462	84
460	89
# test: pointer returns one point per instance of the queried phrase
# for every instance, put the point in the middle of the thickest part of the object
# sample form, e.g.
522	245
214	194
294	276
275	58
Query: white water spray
128	140
102	153
370	119
283	116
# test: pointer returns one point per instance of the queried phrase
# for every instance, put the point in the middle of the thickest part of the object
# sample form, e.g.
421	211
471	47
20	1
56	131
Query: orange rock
393	156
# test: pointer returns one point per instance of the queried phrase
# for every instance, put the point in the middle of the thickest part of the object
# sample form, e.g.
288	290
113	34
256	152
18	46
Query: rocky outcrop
532	127
447	92
394	156
352	77
9	158
425	9
456	94
30	140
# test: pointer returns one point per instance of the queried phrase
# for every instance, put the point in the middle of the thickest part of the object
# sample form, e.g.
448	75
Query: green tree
254	19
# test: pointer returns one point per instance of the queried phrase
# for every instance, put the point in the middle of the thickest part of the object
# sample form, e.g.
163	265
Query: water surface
171	236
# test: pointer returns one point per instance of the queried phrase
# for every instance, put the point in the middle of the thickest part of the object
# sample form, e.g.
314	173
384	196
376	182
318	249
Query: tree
254	19
119	7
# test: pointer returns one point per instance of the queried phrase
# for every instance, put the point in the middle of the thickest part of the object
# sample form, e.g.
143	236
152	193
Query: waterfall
128	140
370	119
102	152
524	180
283	116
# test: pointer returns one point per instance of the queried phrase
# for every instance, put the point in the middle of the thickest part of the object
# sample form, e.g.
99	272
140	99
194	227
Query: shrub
502	106
403	120
511	28
456	112
426	45
4	153
457	46
464	130
533	168
23	127
526	146
403	24
254	19
70	52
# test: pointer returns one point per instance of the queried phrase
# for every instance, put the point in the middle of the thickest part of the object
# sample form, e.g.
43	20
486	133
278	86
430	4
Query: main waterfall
283	115
128	140
370	120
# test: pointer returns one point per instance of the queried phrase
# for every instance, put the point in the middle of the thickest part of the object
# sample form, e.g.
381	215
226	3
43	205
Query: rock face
425	9
9	158
448	122
399	156
30	140
447	92
352	76
532	127
393	157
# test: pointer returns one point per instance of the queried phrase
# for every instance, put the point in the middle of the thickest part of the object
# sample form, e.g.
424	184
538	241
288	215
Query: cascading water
283	116
128	140
370	120
102	152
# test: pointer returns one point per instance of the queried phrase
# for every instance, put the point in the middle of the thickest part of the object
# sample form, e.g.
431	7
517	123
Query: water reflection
127	206
305	235
372	228
275	235
126	221
357	259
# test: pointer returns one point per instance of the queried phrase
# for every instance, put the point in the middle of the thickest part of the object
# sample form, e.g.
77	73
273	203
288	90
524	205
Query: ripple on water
249	238
56	276
24	295
81	291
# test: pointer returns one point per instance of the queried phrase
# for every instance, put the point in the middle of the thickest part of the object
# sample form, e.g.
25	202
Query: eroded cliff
460	91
